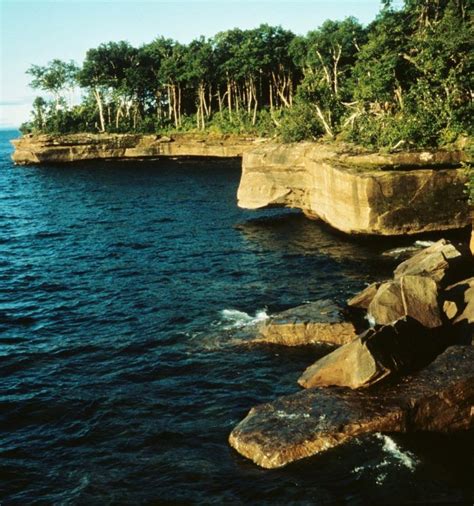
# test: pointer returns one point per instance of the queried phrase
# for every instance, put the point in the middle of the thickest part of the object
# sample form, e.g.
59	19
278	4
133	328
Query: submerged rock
401	347
440	398
315	322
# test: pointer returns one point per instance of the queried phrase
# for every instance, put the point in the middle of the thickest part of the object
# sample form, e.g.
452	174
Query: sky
37	31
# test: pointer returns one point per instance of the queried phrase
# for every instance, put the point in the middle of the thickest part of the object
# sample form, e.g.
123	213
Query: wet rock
352	365
439	398
316	322
415	296
363	299
443	262
399	348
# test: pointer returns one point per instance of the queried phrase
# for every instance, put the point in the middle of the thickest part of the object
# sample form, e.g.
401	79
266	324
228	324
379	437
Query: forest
403	81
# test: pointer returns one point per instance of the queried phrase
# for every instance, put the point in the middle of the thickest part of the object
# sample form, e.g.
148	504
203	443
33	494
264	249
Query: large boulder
401	347
410	295
362	299
439	398
459	309
315	322
387	304
442	261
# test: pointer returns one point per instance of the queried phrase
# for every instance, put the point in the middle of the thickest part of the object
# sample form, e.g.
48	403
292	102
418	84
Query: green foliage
300	123
413	78
404	81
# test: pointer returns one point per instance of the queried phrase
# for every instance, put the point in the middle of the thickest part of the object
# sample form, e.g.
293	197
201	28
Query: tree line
404	80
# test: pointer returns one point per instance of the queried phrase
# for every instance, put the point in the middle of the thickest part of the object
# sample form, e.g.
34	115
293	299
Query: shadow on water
297	234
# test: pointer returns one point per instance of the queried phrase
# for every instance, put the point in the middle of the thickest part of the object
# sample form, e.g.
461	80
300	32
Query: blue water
123	364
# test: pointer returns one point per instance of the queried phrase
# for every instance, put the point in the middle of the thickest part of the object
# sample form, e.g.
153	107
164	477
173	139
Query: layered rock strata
354	191
78	147
358	193
440	398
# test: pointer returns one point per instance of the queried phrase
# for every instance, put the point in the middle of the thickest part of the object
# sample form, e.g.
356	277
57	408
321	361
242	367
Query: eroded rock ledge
440	398
373	382
352	190
359	192
35	149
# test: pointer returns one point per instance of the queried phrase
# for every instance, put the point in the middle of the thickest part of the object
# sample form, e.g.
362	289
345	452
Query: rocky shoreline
403	350
351	189
411	370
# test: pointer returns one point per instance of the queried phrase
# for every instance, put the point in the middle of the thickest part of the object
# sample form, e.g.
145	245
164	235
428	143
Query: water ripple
127	294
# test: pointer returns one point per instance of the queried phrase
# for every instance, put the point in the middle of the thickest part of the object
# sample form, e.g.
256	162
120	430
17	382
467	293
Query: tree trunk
170	102
326	71
101	109
229	98
208	105
336	58
324	122
179	105
175	110
220	100
236	97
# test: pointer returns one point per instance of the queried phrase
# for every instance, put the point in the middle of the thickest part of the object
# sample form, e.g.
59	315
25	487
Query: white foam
371	320
424	244
397	252
416	246
394	455
405	458
237	319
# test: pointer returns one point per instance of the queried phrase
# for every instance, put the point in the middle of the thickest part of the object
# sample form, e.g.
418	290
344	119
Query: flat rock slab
442	261
440	398
315	322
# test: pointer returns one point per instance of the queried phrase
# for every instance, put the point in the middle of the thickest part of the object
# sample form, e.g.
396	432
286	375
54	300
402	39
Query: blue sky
37	31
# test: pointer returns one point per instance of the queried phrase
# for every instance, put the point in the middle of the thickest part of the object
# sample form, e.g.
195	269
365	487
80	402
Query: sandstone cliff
354	191
77	147
362	193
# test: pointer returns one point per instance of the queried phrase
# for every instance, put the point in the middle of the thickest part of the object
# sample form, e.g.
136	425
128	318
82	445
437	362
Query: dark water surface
124	291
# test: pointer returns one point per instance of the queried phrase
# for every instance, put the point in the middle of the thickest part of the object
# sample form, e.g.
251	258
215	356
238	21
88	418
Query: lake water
127	291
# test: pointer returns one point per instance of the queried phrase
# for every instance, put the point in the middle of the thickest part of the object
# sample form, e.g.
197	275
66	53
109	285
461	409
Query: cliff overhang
354	191
359	192
43	149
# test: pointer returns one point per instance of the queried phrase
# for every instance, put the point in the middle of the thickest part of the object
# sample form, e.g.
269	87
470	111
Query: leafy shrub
300	123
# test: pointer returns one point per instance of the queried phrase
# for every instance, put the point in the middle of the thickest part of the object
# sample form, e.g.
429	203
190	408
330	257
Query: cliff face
354	192
78	147
362	193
